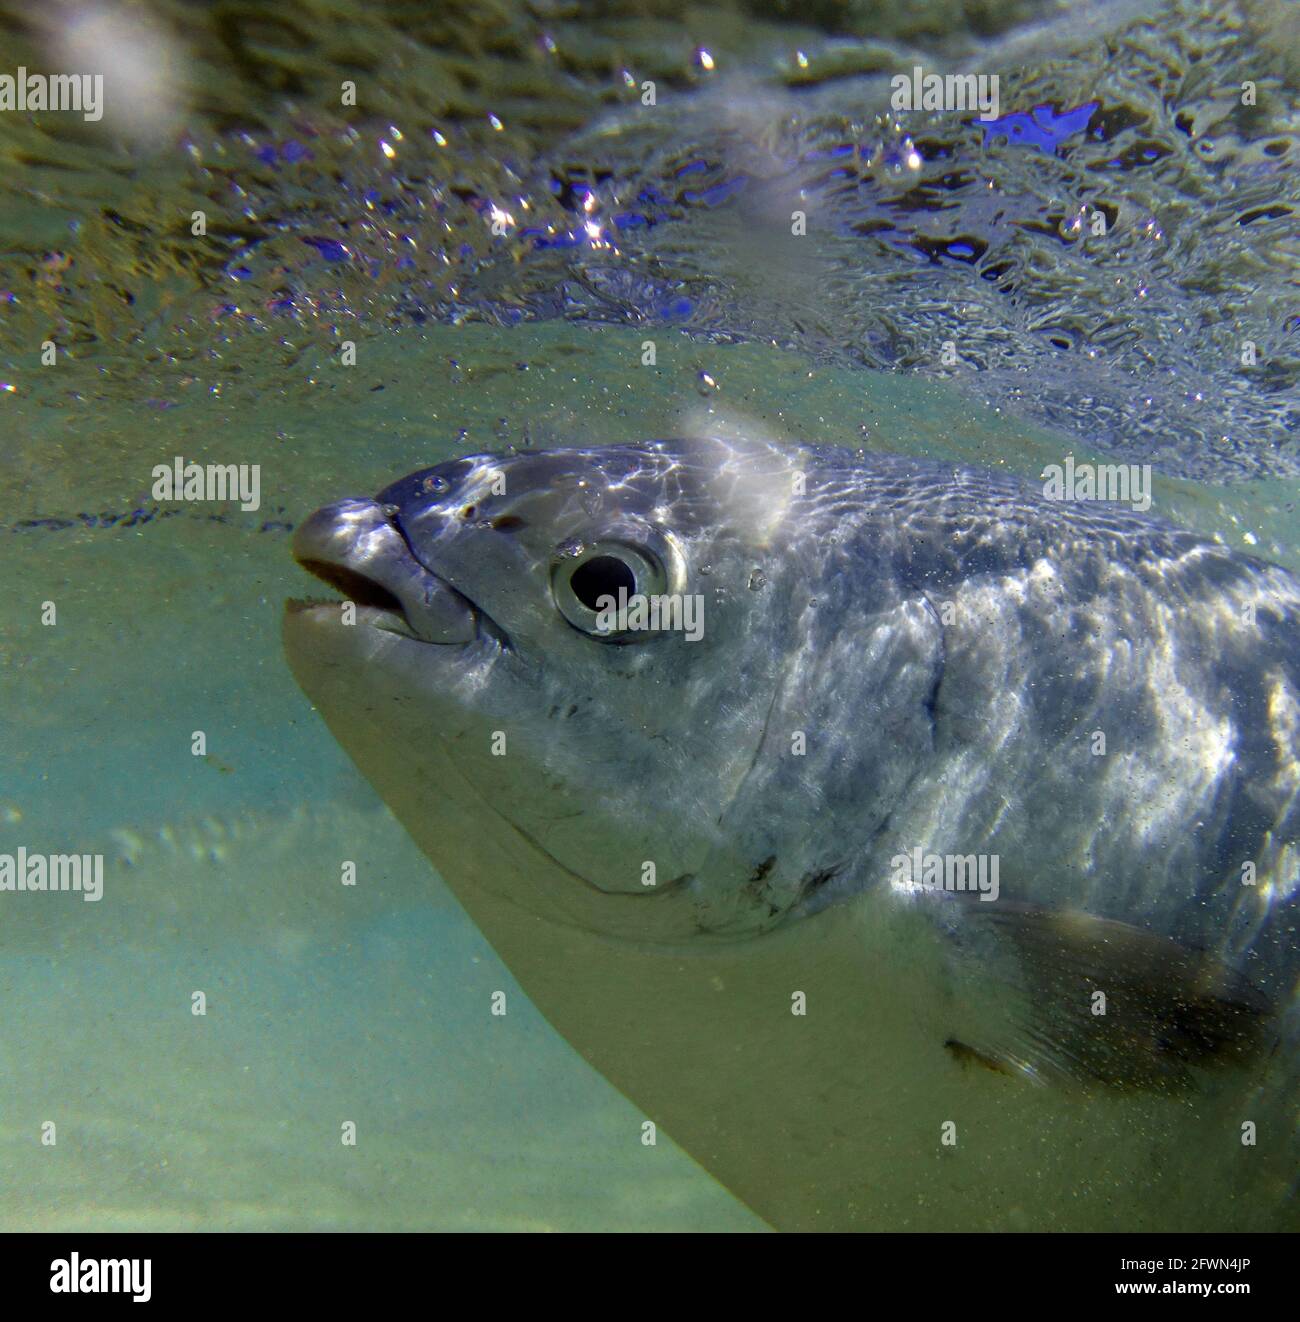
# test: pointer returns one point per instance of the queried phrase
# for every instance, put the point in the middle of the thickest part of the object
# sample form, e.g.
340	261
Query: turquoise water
328	1004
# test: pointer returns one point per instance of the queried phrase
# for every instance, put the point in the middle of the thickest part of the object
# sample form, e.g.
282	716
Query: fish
943	878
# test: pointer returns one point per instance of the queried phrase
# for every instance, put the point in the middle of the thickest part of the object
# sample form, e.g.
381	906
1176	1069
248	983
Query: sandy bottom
336	1009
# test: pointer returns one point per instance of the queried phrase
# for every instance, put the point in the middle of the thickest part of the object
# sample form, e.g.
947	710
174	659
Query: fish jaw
357	547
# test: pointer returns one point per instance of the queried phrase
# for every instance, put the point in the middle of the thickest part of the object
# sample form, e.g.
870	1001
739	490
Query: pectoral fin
1098	1001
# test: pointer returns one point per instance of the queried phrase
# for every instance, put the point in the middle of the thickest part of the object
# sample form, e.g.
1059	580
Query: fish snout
357	547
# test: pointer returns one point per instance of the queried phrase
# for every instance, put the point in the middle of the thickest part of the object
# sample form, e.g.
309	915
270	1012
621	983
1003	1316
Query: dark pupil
601	576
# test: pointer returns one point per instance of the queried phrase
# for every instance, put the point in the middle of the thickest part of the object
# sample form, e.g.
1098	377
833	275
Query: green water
326	1003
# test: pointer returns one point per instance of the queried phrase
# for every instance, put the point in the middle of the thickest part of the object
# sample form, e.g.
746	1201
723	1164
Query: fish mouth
359	548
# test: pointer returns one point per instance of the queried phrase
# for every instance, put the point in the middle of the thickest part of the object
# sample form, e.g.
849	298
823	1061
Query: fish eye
581	582
602	575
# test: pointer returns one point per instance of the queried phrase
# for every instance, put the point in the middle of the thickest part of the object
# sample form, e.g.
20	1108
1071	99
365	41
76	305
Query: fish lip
359	548
369	617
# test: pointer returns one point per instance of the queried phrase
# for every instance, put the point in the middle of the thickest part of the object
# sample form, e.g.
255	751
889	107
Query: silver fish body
699	854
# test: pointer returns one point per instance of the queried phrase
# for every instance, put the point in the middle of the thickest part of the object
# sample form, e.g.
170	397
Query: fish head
482	681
